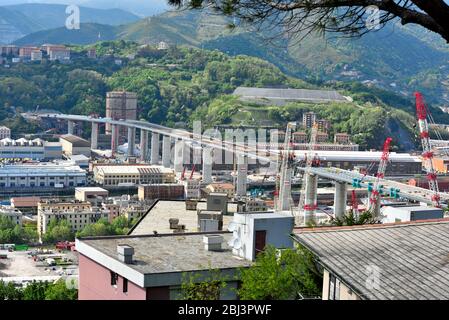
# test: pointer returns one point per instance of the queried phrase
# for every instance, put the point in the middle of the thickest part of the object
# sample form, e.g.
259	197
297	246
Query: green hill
396	58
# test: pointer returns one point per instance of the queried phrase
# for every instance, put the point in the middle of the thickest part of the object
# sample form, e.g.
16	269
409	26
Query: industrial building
36	149
393	214
74	145
400	261
90	194
400	163
45	174
167	191
281	97
114	175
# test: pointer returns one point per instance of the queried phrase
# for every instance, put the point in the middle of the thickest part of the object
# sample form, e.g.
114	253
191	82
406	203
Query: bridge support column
310	203
154	148
70	127
94	136
114	138
166	151
143	145
375	207
285	191
242	175
179	156
207	164
340	199
131	141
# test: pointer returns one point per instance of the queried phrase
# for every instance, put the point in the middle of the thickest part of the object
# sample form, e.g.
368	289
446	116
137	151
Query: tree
198	287
60	291
9	291
35	290
281	275
343	16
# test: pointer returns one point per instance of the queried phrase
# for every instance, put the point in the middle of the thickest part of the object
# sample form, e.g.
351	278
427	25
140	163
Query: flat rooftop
164	253
280	95
412	258
157	218
90	189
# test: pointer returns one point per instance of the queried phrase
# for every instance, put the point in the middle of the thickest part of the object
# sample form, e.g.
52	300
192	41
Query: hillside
183	84
88	33
23	19
396	58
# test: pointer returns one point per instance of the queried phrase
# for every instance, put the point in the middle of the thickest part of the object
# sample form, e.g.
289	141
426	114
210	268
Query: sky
139	7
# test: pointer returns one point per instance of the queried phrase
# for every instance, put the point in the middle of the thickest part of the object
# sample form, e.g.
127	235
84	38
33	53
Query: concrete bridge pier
242	175
179	156
166	151
70	127
114	138
131	141
310	203
340	199
94	136
207	164
154	148
285	191
143	145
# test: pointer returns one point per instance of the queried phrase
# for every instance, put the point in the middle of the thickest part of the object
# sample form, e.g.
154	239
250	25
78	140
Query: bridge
341	177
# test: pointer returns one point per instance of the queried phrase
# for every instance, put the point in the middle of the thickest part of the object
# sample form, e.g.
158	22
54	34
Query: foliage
281	275
12	233
60	291
350	219
38	290
119	226
199	287
58	230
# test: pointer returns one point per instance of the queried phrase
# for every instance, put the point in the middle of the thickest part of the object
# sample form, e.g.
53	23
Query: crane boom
421	111
375	194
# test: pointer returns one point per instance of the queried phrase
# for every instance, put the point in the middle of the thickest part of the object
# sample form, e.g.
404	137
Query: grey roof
413	259
169	253
282	96
76	141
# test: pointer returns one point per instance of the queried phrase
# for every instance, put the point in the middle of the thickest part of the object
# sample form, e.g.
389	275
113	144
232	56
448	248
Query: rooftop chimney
125	253
213	242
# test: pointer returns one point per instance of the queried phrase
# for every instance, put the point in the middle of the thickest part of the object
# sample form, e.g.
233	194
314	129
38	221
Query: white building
36	149
5	132
12	213
192	188
48	174
59	54
36	55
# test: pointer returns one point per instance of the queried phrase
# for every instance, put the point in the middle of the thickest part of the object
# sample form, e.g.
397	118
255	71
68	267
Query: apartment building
5	133
77	214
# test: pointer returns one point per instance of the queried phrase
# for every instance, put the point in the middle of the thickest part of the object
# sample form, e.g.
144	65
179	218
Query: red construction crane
375	193
183	175
422	113
193	171
354	203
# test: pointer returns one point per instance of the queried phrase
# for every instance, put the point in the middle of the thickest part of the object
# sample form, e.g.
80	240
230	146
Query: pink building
152	267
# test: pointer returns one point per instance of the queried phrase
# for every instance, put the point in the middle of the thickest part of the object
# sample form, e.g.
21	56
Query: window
334	288
125	285
114	279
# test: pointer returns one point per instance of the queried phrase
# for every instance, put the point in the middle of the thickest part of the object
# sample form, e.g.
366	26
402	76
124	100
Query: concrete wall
95	284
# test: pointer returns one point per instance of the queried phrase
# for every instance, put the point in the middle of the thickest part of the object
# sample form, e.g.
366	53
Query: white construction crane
312	160
286	171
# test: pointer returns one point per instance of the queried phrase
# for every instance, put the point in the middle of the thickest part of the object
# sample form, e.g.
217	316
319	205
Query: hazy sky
140	7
